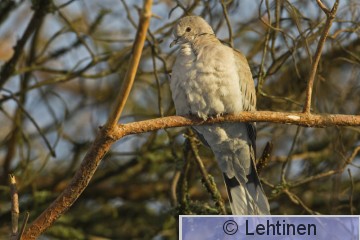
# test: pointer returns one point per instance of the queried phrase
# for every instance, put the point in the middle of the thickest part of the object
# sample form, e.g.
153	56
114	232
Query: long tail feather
246	199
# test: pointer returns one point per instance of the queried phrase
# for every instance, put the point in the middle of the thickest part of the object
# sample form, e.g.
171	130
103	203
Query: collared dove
210	79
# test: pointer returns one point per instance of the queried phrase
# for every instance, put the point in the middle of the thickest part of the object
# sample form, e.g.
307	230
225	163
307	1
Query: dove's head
188	28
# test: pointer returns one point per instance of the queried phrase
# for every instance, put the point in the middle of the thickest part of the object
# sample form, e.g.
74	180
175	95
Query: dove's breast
205	82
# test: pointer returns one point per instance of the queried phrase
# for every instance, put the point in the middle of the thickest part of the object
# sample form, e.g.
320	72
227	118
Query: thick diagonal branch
101	145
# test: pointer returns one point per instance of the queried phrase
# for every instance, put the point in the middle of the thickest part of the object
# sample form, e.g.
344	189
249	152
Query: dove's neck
202	41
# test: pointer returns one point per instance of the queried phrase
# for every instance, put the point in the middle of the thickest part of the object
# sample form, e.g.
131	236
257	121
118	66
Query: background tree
62	80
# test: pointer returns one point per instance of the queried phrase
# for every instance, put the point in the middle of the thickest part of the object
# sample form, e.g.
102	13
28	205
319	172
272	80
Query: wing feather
246	82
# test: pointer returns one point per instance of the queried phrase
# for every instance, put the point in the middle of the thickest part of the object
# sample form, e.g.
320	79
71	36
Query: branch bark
301	119
79	182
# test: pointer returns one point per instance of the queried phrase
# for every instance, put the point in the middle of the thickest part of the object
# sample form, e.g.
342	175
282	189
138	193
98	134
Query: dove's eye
188	29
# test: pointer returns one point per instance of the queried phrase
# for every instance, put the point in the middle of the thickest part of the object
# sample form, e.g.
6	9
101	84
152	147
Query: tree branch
133	65
14	207
330	16
101	144
77	185
301	119
231	39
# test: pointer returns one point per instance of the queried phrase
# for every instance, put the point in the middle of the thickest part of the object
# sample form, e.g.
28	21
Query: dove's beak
176	40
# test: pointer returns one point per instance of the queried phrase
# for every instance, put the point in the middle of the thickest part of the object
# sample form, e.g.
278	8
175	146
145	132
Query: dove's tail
234	148
246	194
247	198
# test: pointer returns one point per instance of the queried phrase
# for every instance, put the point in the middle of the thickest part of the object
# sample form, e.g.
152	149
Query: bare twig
14	207
262	74
284	166
330	16
295	199
352	157
32	120
182	187
314	178
328	173
77	33
26	219
41	9
174	184
161	110
231	40
207	179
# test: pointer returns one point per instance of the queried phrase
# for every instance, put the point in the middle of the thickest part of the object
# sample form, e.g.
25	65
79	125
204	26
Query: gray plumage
210	79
